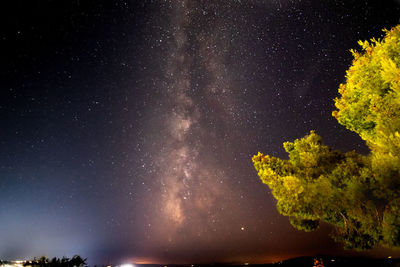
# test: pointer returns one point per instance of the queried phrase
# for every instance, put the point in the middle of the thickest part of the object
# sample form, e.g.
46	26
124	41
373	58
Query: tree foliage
358	194
75	261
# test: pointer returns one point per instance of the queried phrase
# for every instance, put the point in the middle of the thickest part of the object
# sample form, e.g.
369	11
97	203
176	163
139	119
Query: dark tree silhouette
75	261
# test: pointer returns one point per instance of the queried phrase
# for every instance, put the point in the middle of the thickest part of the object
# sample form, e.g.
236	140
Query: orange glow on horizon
260	259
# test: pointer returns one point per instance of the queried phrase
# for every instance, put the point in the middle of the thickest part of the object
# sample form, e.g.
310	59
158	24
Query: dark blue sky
128	127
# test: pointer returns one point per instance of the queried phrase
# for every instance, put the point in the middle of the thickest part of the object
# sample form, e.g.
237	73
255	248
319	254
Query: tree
43	261
75	261
359	195
55	262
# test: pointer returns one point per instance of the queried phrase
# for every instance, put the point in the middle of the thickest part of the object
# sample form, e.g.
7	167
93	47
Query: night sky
128	127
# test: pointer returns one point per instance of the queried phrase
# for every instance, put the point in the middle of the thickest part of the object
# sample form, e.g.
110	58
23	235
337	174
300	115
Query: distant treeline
75	261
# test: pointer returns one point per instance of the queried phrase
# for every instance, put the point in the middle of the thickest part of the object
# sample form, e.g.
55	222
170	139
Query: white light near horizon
12	265
127	265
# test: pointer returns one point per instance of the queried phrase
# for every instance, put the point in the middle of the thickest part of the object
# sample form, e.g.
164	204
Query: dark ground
327	261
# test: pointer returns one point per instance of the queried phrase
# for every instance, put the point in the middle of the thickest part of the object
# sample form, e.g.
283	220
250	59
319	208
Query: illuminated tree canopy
358	194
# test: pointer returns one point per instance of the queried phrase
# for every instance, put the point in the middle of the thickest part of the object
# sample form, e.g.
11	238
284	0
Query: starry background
128	127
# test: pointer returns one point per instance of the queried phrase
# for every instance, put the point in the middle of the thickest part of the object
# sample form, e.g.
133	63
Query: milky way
193	185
